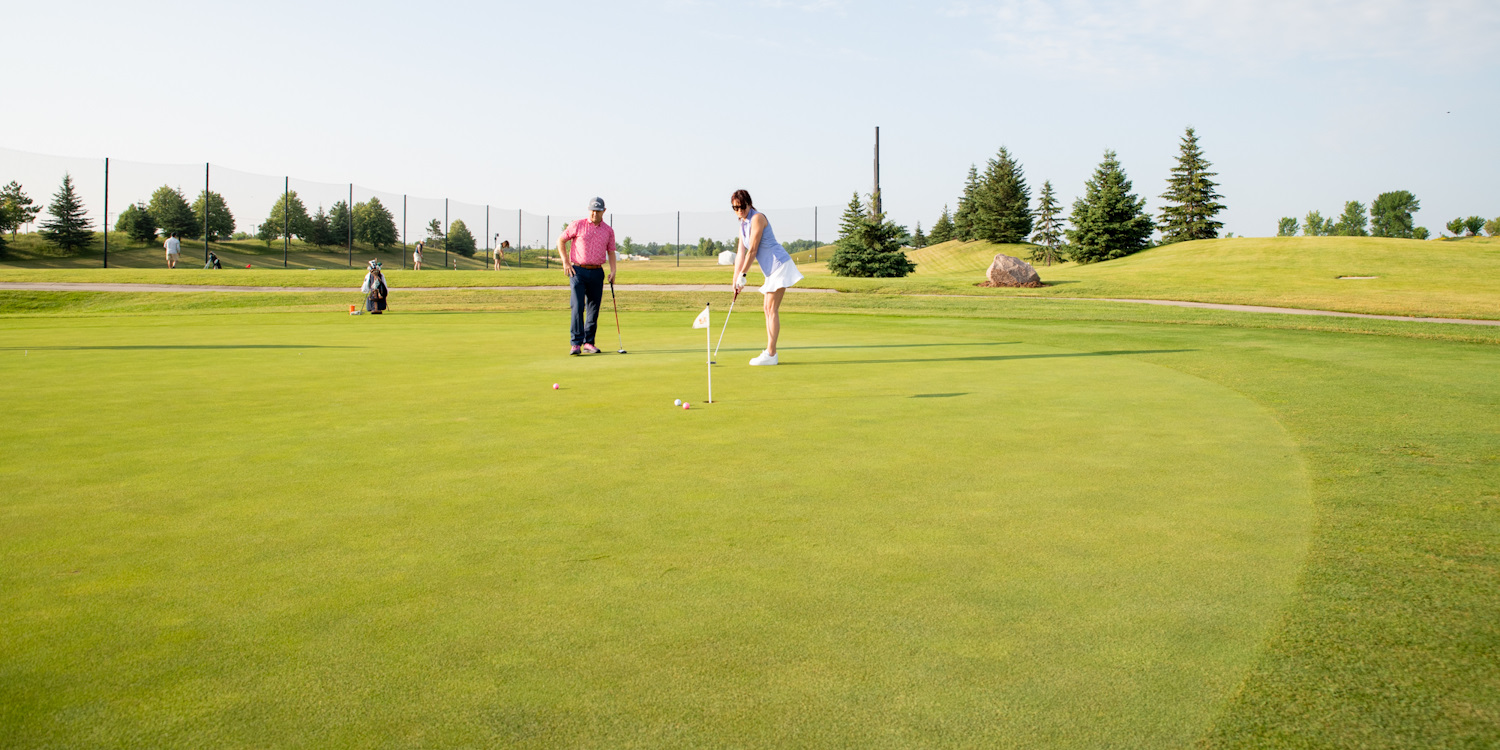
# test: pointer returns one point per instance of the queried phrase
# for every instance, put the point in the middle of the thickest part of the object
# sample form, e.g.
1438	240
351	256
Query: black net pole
403	232
349	217
205	213
286	220
815	234
677	249
106	212
518	238
487	228
547	250
446	262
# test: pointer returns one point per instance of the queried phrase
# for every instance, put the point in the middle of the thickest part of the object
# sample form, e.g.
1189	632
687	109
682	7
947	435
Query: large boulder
1008	271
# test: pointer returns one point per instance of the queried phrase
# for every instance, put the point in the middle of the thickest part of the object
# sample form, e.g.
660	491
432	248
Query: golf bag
213	262
375	302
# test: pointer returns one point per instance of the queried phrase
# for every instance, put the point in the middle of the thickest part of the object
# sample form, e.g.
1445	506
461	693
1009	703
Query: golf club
736	298
618	337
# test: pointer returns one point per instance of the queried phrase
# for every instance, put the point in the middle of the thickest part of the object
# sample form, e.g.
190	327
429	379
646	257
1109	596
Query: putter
736	298
618	338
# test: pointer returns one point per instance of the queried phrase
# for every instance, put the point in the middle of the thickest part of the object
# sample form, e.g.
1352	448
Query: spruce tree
288	213
17	208
319	231
1192	202
340	224
1002	206
220	220
868	245
1049	228
918	240
942	230
1109	221
69	228
171	212
963	218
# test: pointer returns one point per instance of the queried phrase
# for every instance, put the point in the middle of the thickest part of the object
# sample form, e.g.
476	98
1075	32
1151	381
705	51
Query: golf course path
54	286
64	286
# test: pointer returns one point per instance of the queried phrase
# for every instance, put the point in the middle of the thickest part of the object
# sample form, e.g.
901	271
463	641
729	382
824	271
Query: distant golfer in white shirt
758	244
174	250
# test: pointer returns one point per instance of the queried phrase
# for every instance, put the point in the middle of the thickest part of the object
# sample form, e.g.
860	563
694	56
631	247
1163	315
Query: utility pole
875	196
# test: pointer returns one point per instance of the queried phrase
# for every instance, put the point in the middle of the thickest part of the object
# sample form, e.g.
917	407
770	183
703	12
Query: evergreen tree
1420	233
435	234
1002	203
220	220
963	218
1390	214
70	227
16	208
1192	203
868	245
340	224
918	240
171	212
1049	228
1109	221
461	240
136	223
1352	222
374	225
1287	227
289	213
942	230
319	229
1314	225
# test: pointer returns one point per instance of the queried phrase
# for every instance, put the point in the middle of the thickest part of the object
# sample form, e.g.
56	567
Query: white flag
702	320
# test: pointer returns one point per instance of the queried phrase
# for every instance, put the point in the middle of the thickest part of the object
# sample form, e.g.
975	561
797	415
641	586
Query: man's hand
611	278
568	269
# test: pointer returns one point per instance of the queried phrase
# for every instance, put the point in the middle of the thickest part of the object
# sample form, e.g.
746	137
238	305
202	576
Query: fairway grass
311	529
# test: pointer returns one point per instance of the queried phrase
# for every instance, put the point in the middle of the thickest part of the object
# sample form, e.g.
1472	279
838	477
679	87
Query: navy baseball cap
597	204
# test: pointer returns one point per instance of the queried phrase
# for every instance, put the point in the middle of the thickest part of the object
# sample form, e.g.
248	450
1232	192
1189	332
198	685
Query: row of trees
370	222
1108	221
1389	216
1472	226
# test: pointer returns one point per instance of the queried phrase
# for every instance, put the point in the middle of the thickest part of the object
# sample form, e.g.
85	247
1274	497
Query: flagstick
708	343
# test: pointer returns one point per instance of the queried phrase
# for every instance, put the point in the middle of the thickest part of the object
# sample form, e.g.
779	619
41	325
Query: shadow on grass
843	346
994	358
183	347
938	395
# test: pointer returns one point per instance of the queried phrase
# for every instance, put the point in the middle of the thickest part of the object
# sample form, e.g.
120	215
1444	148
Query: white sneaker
764	359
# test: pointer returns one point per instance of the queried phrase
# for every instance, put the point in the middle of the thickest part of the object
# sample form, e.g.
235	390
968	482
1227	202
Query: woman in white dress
758	243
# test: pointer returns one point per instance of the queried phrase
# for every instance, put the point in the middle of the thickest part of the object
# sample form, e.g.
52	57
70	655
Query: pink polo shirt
591	244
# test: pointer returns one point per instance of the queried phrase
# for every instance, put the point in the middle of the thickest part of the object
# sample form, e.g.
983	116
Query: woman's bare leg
772	306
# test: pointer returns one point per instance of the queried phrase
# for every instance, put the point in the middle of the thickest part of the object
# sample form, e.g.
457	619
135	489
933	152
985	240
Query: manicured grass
970	525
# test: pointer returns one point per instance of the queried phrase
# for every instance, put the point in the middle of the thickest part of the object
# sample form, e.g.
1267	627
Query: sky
670	106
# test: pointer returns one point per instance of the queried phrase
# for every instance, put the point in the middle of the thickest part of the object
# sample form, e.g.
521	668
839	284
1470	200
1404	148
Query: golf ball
677	402
686	404
554	386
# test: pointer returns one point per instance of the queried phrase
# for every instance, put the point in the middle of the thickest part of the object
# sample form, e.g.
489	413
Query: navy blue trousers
587	286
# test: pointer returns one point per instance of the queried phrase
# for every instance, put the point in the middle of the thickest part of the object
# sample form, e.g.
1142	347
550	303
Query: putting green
320	530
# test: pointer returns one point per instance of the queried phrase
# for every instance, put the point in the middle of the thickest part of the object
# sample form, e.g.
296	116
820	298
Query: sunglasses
736	206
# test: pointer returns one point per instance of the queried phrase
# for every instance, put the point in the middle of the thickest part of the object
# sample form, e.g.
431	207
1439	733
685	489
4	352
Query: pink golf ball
554	386
686	405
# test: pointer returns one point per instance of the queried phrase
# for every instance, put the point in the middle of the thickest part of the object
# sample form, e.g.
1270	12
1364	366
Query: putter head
622	351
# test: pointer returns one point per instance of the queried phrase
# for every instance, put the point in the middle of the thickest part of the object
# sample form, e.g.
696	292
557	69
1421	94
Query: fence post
106	212
205	213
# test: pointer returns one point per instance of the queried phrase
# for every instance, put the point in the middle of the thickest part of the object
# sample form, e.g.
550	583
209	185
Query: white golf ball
677	402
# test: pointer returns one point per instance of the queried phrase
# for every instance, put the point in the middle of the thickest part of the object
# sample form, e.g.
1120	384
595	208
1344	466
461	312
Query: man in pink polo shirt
593	244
